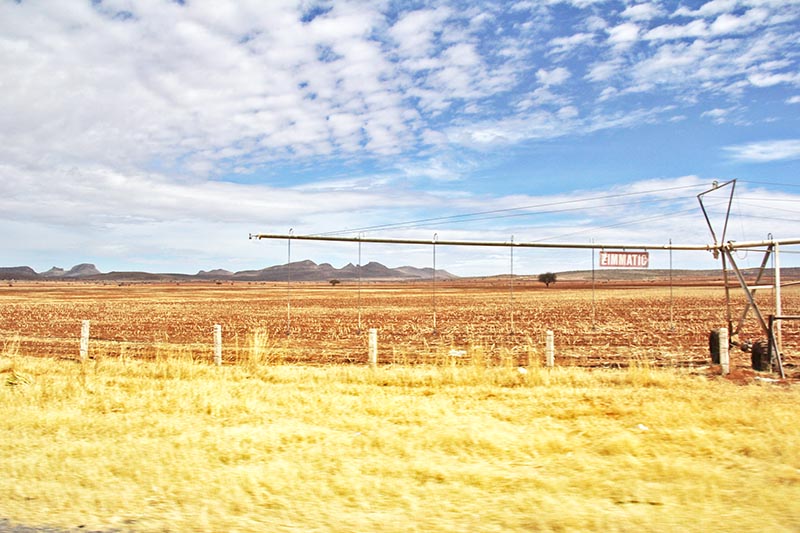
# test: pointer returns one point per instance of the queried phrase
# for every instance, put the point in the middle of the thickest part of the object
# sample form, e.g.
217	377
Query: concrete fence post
549	349
724	355
217	345
84	340
373	347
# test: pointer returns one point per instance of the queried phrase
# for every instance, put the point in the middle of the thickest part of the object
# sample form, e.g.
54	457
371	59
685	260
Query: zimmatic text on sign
625	259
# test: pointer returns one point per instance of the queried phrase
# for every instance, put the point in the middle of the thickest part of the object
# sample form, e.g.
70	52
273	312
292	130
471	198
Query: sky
157	135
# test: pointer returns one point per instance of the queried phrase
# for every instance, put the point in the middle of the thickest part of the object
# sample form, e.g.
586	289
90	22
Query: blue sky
156	135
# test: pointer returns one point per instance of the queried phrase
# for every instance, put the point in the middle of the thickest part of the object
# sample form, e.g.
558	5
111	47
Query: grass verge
177	445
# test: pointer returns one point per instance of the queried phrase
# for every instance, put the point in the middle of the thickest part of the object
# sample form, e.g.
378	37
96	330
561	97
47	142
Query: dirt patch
7	526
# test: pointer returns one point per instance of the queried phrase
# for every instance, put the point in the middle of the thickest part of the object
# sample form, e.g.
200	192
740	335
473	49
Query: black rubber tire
760	356
713	346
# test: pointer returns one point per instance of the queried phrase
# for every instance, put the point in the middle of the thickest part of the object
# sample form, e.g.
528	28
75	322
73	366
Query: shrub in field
547	278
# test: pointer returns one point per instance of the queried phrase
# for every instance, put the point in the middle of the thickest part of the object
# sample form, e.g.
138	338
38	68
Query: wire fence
607	327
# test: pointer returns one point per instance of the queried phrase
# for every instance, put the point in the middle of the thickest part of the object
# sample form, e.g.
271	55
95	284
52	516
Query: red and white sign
625	259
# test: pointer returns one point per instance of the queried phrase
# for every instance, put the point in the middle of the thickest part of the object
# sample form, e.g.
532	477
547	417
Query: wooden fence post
549	349
84	340
724	356
373	347
217	344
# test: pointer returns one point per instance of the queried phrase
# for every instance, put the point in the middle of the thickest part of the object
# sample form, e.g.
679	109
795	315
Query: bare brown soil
613	325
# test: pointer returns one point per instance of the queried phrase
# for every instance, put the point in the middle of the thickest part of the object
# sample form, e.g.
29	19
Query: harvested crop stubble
608	329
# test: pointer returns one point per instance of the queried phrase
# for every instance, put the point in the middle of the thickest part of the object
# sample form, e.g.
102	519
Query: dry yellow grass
176	445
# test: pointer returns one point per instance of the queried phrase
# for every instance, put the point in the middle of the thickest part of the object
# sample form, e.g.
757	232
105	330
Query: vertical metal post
778	306
511	285
772	347
725	280
359	283
771	350
671	312
435	238
593	298
289	283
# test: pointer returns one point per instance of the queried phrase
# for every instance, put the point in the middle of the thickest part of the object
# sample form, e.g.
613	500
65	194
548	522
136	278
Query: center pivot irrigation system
766	353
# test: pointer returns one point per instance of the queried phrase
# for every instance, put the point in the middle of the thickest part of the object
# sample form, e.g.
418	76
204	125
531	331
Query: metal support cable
470	217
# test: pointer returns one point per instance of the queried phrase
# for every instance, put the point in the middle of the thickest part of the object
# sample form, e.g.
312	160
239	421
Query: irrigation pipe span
730	245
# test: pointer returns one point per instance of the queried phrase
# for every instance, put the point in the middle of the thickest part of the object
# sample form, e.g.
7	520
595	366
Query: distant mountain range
311	271
297	271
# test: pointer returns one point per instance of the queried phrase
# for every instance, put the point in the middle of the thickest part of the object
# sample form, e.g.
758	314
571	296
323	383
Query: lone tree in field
334	282
547	278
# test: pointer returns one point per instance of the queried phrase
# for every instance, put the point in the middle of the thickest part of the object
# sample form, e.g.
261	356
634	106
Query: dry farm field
317	323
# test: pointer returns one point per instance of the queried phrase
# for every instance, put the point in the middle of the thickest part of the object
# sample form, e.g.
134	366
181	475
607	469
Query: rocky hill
311	271
78	271
21	273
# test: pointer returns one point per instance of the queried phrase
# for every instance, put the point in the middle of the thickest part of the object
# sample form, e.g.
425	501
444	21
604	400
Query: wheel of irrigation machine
760	356
713	346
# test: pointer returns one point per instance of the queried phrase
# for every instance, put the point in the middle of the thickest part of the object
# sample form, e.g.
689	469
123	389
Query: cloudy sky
156	135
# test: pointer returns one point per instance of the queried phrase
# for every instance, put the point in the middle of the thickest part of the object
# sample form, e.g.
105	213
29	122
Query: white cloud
595	23
544	96
566	45
727	23
255	78
643	12
244	84
766	151
556	76
208	93
524	5
100	196
630	118
568	112
793	100
438	168
540	124
604	70
768	79
714	7
414	32
717	115
536	124
695	28
607	94
623	35
580	4
688	64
